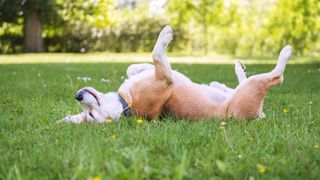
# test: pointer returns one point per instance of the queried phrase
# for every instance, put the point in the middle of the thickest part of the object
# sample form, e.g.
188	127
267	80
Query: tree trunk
205	37
32	30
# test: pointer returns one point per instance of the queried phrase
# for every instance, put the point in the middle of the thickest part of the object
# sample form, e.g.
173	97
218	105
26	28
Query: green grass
33	146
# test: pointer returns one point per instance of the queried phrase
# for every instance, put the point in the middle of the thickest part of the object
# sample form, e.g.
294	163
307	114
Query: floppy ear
78	118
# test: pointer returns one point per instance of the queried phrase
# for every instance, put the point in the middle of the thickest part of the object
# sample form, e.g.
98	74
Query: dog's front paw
60	121
72	119
166	35
63	120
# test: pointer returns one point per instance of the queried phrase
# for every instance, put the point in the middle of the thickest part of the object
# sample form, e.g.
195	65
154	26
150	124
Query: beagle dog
152	90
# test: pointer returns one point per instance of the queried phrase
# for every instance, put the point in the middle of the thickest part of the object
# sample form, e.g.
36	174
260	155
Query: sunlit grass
211	58
285	145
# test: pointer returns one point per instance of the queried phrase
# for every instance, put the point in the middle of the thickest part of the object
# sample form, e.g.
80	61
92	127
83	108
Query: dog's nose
79	96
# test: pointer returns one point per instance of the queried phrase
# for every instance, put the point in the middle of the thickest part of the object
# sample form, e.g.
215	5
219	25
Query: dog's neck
113	106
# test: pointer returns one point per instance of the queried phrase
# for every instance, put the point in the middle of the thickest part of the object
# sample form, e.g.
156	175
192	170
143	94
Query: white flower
105	80
85	79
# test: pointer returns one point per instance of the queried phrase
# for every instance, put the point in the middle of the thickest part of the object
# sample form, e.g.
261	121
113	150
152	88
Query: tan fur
190	102
162	90
154	95
247	101
148	104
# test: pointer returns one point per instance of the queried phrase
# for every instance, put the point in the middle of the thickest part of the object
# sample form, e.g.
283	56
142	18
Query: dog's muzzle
79	96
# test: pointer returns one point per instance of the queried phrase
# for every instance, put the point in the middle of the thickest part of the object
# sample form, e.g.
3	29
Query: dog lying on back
151	90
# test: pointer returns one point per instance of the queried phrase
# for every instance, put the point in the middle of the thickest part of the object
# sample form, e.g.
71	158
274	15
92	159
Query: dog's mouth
93	95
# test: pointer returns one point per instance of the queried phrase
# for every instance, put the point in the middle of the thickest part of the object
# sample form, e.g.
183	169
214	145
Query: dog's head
98	106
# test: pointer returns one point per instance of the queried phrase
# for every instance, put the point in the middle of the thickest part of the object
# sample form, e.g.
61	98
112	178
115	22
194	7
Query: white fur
283	59
240	71
110	107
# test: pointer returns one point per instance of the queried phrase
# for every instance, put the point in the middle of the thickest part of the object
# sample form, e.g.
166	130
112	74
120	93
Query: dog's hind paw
262	115
285	53
239	67
240	71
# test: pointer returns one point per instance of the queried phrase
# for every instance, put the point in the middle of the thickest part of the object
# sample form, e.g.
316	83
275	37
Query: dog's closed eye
93	95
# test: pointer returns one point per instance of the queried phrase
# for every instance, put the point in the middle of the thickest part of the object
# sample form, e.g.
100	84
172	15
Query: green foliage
295	22
33	146
240	28
12	10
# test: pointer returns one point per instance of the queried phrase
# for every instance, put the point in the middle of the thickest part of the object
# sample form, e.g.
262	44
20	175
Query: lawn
284	145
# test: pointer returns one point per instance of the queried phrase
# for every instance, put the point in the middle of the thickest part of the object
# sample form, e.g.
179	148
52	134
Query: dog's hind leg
162	65
277	72
240	71
247	100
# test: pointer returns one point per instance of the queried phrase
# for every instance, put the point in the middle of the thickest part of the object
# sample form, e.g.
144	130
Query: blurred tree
205	13
295	22
180	15
84	24
34	13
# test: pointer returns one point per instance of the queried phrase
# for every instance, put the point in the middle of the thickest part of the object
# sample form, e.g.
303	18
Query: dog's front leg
160	61
78	118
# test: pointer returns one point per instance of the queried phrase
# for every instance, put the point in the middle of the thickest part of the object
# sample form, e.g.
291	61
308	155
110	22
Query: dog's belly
191	101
